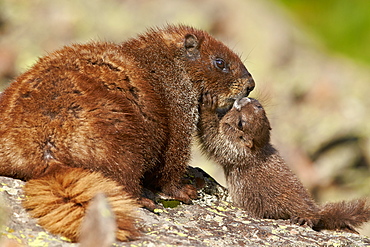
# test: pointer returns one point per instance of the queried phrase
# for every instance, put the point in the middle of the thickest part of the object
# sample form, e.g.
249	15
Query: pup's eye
258	107
220	64
240	124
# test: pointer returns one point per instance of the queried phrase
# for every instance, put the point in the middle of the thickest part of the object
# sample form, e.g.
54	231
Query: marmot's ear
247	141
192	45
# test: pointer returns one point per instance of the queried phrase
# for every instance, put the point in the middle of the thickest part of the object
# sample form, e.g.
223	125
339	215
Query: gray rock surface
210	221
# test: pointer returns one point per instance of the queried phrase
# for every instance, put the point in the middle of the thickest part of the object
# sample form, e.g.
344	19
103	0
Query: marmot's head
211	65
247	124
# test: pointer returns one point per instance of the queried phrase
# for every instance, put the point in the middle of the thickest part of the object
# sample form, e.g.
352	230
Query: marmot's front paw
209	102
185	193
147	203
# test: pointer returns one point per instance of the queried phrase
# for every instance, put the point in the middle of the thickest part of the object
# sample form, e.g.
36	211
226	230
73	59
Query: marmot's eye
258	106
220	64
241	124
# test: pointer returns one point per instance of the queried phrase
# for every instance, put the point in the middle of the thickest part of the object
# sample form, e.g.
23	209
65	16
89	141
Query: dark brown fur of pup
125	110
259	181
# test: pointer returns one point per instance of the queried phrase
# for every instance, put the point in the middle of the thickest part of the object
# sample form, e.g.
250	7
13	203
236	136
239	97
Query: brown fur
126	110
60	200
258	178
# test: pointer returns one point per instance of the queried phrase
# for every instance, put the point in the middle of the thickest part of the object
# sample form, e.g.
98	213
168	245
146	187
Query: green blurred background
342	26
310	60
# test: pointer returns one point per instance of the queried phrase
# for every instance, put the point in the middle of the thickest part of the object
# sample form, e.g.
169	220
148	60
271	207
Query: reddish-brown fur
126	110
65	196
258	178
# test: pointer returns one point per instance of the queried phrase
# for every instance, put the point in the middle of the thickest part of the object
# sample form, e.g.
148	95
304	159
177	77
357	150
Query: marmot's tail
345	215
60	201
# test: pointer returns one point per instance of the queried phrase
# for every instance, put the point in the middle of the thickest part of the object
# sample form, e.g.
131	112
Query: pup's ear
192	44
248	141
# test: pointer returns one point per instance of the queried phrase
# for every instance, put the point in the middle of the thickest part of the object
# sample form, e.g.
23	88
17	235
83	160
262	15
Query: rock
210	221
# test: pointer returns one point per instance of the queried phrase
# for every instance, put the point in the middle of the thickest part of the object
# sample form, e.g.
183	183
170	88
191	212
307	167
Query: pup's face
246	124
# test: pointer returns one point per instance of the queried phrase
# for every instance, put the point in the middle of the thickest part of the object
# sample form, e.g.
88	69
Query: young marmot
259	181
124	111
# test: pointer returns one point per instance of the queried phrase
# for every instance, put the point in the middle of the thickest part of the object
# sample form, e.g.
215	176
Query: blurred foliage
342	25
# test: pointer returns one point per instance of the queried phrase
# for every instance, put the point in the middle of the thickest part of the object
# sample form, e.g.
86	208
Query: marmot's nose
239	103
250	84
